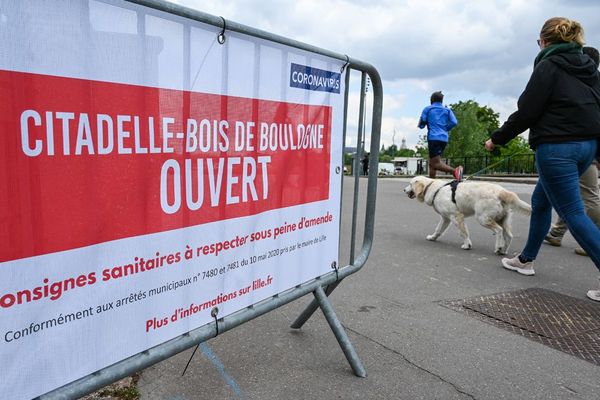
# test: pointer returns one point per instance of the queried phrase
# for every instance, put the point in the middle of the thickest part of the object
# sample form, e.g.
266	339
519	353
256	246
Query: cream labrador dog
491	204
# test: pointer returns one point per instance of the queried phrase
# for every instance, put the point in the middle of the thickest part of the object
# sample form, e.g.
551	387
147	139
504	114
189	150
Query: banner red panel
84	162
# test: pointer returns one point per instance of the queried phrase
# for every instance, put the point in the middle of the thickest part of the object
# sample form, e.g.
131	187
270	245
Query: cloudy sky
469	49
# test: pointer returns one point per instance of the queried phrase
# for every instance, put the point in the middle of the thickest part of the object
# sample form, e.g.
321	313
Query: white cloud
480	50
394	130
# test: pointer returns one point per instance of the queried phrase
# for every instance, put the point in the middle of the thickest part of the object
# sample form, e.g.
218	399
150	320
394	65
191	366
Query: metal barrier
320	286
519	164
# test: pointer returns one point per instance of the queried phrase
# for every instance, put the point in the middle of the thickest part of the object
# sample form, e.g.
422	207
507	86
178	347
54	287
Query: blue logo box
309	78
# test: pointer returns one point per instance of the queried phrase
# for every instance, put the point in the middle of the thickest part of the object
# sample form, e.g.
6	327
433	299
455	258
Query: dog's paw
500	251
431	238
466	246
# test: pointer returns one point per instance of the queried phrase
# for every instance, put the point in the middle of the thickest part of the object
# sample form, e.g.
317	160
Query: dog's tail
515	202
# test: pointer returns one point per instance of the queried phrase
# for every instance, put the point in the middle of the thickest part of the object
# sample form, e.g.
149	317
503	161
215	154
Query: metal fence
520	164
321	286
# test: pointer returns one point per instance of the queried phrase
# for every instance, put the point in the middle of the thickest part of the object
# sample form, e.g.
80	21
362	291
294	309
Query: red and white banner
149	175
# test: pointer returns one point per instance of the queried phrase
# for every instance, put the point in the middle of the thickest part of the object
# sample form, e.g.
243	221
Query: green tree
489	118
475	124
388	154
405	153
516	146
421	148
390	151
348	158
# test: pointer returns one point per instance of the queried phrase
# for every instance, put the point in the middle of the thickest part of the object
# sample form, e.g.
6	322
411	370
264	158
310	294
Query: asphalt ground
411	346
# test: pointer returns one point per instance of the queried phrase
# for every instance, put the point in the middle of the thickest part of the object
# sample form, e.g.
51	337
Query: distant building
409	165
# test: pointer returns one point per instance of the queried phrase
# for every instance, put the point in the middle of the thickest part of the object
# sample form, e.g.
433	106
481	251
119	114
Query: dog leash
493	165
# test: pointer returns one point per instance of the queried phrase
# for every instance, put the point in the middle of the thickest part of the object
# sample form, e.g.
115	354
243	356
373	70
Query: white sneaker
514	264
594	294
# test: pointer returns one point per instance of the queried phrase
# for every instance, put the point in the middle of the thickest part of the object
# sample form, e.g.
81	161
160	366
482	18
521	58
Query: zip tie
346	64
221	36
213	313
190	360
334	266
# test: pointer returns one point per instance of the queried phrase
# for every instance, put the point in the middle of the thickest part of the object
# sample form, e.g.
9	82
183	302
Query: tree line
475	124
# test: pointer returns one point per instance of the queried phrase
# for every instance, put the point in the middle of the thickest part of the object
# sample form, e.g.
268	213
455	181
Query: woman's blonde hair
562	30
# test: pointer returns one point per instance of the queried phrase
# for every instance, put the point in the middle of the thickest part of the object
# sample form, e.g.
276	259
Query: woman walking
561	108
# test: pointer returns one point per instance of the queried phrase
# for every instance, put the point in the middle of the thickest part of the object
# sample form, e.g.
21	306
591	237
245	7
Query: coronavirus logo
310	78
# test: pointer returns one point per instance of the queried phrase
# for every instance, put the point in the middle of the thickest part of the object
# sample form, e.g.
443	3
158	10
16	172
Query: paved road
411	346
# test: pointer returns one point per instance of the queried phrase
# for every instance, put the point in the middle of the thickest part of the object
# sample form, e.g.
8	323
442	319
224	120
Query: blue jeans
559	167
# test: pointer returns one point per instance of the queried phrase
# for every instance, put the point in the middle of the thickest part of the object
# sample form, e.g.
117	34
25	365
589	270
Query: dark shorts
436	147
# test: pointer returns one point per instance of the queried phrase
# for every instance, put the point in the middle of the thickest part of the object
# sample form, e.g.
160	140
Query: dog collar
427	187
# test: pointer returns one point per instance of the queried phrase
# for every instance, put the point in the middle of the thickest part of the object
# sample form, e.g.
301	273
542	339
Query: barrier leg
311	308
340	333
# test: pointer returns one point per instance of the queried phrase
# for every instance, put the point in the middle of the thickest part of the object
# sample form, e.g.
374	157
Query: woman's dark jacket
560	103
